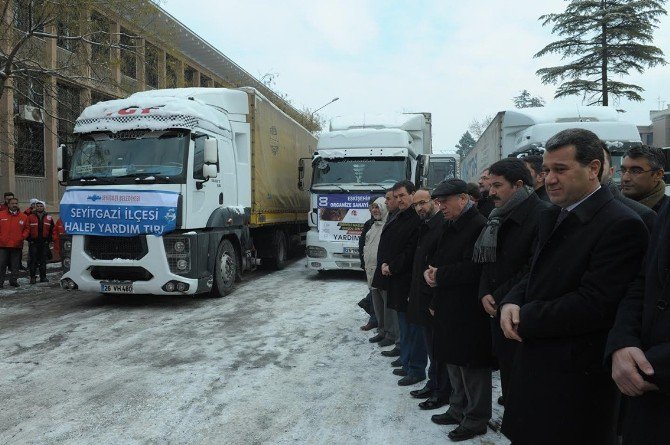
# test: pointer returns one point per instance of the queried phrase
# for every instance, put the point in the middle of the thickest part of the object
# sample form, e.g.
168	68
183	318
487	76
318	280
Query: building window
63	32
29	126
205	81
99	97
190	77
69	108
171	79
99	38
128	51
25	14
152	58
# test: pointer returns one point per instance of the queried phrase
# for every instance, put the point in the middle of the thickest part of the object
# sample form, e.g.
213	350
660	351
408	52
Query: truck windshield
105	156
359	171
440	170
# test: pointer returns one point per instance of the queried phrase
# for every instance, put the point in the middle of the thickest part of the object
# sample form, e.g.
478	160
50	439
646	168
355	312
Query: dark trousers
37	258
413	355
470	401
438	377
504	350
9	258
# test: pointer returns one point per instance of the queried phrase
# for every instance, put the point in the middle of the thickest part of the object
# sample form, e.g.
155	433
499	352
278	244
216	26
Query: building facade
113	57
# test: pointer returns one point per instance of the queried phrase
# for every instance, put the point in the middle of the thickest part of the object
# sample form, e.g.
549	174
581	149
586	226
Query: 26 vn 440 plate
117	288
350	250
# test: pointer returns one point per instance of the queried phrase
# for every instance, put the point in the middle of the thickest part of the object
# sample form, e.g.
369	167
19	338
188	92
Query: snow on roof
558	113
364	138
408	122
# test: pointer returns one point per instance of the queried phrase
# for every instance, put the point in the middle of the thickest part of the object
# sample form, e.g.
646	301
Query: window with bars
68	109
28	148
64	30
190	76
171	78
205	81
99	37
26	15
128	51
151	57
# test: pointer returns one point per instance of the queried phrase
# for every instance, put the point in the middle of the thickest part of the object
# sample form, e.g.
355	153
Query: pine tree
465	144
605	39
525	100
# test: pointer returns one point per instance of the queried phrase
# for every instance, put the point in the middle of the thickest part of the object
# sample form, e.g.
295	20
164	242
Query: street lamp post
324	106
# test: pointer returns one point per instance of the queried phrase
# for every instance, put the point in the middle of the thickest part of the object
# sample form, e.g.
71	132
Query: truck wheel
226	269
280	247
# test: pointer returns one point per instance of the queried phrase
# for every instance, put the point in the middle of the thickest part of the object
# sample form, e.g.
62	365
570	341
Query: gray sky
458	60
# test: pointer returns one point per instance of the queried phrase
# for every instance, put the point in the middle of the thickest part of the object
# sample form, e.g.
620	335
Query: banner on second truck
341	217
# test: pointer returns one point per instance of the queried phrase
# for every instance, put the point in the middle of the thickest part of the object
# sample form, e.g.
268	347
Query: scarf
487	243
656	194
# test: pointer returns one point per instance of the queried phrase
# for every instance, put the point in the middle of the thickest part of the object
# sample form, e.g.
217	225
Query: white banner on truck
341	217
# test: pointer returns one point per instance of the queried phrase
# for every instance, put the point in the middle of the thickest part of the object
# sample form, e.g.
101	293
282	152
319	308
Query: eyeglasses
634	171
420	203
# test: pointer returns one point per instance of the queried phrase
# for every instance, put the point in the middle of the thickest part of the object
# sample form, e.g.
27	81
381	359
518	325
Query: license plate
350	250
116	288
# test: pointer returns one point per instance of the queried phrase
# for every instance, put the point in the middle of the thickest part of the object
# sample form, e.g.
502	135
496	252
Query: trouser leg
4	263
458	401
478	391
404	347
390	320
378	305
32	258
418	357
14	263
42	258
427	334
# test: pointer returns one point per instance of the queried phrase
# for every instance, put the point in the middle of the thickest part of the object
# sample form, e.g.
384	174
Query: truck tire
280	250
225	270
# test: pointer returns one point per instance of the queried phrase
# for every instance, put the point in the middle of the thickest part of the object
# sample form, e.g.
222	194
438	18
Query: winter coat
41	228
542	194
643	323
420	293
517	239
485	205
462	331
396	248
560	391
372	237
361	240
13	229
647	215
59	231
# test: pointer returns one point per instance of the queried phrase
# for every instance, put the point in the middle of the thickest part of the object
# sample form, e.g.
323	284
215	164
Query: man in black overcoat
639	344
589	249
394	269
437	389
505	248
462	328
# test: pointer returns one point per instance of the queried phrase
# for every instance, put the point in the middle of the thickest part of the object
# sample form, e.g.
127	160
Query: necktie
561	216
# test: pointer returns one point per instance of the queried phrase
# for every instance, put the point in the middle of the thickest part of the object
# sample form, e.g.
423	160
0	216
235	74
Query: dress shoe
365	327
386	342
395	352
14	283
399	371
377	338
422	393
444	419
410	380
397	363
462	433
43	280
501	401
33	280
433	403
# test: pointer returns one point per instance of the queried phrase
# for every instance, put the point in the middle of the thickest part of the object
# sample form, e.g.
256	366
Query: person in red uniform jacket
13	231
41	232
59	230
7	197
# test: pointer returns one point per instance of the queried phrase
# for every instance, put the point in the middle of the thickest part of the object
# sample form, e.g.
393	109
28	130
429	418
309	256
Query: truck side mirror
211	154
301	174
209	171
60	152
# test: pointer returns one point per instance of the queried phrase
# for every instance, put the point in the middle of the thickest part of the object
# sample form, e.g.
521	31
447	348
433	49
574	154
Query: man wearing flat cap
462	327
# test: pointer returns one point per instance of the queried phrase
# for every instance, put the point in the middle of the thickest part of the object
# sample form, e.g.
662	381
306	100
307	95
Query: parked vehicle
356	160
179	191
519	131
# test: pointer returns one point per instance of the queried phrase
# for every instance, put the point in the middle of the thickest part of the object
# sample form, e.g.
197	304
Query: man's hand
626	366
490	305
385	270
509	321
429	276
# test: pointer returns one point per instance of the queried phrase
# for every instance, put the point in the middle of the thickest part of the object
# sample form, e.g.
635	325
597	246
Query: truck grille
121	273
111	247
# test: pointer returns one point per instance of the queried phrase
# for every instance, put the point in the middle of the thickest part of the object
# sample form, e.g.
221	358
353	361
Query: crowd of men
33	225
549	273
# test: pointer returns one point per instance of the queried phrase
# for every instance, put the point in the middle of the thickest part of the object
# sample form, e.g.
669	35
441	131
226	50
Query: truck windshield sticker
118	212
341	217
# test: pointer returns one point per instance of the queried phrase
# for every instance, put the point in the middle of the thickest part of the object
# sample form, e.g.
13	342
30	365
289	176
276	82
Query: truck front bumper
149	275
331	255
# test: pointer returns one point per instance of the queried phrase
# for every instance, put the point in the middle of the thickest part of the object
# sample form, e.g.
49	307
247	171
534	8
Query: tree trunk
603	27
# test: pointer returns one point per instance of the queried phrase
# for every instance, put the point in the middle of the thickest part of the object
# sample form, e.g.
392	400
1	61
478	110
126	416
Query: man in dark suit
462	328
589	249
505	248
437	389
394	271
534	166
485	203
639	345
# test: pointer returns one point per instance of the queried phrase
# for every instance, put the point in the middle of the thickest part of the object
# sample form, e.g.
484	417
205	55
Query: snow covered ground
281	360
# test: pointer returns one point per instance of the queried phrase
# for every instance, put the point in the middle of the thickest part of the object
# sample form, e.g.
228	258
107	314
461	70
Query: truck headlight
179	246
182	264
316	252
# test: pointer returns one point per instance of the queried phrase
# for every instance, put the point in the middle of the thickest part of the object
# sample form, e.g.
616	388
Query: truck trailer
178	191
524	131
358	159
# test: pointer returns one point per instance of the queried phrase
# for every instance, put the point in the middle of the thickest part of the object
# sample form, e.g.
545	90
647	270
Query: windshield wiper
144	176
329	184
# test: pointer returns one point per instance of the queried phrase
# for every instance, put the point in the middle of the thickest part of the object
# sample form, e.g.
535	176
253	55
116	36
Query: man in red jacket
13	231
7	197
41	232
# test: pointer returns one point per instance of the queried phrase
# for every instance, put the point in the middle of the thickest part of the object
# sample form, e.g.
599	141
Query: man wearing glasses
642	171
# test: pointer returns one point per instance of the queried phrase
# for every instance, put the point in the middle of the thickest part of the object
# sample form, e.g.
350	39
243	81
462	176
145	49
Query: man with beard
642	170
485	203
437	389
504	249
462	328
394	269
590	247
534	166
